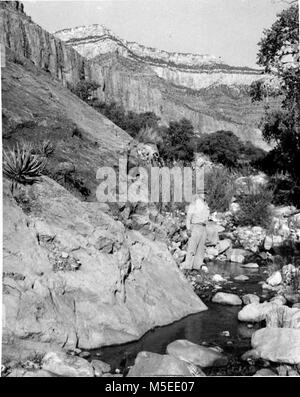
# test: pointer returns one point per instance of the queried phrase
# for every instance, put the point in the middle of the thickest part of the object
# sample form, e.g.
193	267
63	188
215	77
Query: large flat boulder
196	354
280	345
225	298
122	284
256	312
64	365
153	364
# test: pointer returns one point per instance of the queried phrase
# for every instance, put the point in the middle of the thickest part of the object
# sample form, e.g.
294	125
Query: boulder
279	299
153	364
217	278
22	373
280	345
264	372
196	354
64	365
256	312
100	367
251	266
225	298
241	277
250	298
283	317
275	279
268	243
211	252
237	254
223	245
124	286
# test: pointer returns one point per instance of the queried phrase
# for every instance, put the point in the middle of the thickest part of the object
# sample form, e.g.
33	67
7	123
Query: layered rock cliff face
24	39
202	88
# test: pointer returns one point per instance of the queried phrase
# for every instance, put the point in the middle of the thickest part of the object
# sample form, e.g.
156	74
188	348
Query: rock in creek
250	298
61	364
225	298
153	364
277	344
196	354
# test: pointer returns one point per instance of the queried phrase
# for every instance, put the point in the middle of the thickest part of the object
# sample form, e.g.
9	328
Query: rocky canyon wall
202	88
22	39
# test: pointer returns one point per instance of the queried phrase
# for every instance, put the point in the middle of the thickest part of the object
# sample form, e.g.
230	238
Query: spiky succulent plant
47	148
21	166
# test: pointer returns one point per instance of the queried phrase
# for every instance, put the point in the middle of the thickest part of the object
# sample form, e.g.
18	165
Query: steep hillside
37	107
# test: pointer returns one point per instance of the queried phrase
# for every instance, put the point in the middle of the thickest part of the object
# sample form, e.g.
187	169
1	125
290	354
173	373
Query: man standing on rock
196	221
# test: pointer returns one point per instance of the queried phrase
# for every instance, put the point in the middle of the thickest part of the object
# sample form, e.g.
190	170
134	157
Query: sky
229	29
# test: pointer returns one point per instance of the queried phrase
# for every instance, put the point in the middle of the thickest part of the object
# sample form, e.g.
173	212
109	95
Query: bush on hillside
84	89
219	188
255	207
226	148
131	122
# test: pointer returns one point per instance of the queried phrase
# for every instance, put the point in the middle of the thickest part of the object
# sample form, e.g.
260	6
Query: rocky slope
202	88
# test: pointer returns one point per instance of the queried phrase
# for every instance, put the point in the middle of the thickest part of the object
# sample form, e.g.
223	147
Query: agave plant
21	166
46	148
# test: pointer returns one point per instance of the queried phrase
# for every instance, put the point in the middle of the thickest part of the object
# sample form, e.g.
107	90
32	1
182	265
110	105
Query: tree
222	147
279	56
84	89
177	141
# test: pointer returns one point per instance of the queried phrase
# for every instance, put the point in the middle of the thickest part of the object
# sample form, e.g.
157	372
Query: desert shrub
21	166
219	188
131	122
77	132
255	207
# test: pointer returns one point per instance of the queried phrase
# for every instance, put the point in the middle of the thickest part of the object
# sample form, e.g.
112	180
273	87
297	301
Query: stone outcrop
198	355
25	40
112	297
277	344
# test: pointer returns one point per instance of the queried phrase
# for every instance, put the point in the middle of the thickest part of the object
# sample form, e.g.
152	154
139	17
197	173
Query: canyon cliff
201	88
212	95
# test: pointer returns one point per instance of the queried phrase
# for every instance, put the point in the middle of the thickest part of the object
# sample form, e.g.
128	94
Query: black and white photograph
150	191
